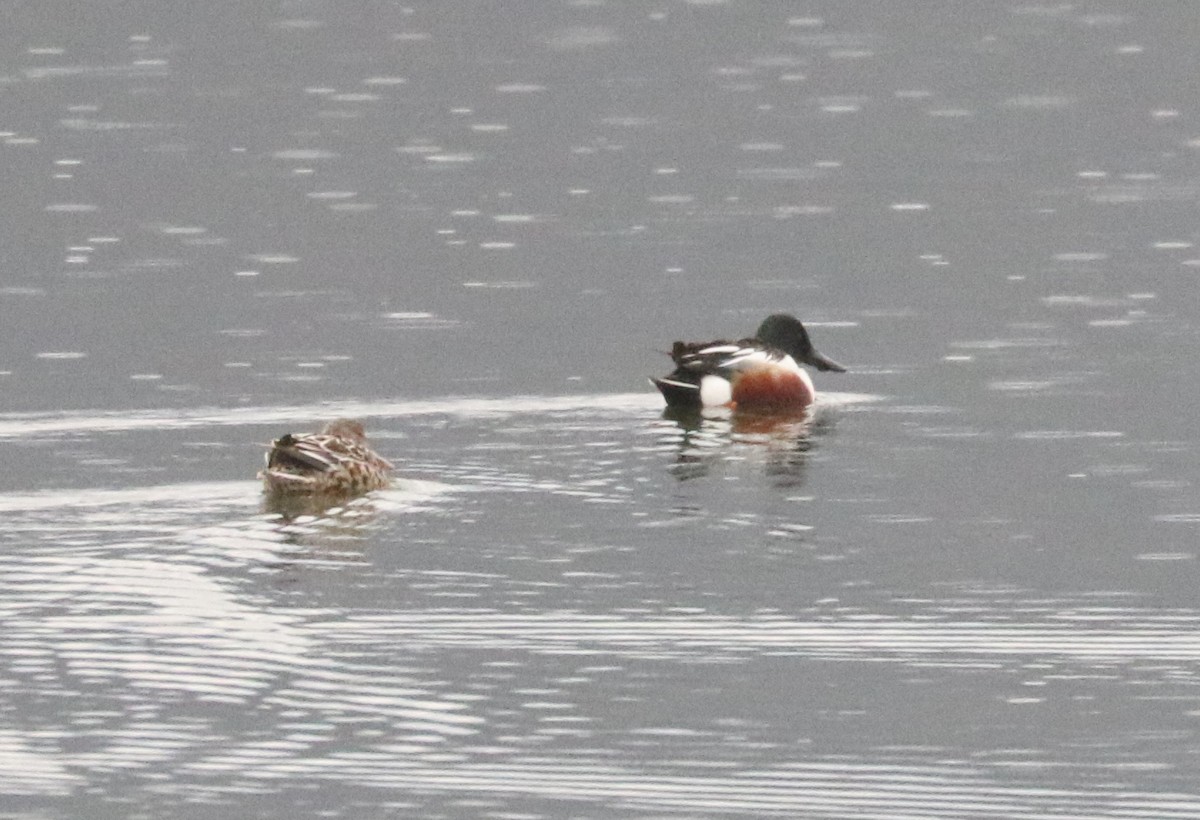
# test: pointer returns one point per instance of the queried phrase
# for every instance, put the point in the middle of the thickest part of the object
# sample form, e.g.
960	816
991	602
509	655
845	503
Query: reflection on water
708	437
332	506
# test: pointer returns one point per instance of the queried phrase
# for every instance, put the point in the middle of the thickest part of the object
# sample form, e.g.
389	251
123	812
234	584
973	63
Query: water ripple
34	425
56	424
831	788
1092	637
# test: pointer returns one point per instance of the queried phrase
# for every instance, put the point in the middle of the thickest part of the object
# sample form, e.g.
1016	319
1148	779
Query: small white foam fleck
61	354
850	53
951	113
1067	435
304	154
1080	256
274	258
450	159
509	284
520	88
1039	102
71	208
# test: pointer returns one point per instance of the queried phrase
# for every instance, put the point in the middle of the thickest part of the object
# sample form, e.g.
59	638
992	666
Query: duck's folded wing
303	453
727	357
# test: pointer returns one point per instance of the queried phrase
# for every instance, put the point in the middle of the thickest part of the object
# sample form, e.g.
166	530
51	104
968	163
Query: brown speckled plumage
335	461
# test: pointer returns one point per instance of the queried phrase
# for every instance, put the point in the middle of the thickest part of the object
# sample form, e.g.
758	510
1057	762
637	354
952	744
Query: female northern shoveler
758	374
335	461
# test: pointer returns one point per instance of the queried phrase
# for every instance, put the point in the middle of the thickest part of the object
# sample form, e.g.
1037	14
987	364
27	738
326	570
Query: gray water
965	587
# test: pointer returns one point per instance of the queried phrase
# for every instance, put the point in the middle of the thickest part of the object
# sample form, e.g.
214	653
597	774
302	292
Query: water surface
965	586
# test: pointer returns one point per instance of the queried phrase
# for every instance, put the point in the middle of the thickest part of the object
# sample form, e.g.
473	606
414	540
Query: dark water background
966	587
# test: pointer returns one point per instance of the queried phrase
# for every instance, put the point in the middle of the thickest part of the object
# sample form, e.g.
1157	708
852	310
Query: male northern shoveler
760	374
335	461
